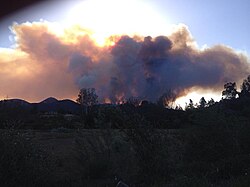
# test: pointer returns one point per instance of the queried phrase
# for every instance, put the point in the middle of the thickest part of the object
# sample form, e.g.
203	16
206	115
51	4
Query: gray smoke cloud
148	67
48	64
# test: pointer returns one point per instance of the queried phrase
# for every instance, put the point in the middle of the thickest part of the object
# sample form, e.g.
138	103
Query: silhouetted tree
87	97
178	107
167	99
202	103
190	105
210	102
133	101
229	91
245	87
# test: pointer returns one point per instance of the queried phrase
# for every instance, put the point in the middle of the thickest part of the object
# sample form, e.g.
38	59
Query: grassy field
76	157
140	157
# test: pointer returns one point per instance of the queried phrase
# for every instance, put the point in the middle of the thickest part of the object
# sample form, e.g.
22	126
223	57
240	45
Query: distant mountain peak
50	100
16	101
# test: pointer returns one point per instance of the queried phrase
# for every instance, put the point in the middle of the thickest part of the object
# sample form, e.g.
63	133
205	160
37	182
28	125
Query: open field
93	157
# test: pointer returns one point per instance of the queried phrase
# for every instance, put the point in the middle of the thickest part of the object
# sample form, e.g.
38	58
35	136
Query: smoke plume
45	63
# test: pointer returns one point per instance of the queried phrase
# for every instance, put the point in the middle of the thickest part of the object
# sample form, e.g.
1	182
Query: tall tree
229	91
190	106
245	88
202	103
211	102
87	97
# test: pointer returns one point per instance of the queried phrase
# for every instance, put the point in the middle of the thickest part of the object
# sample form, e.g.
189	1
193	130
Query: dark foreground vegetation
62	143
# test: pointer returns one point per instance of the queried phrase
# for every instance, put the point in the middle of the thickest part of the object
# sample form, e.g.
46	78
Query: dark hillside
54	105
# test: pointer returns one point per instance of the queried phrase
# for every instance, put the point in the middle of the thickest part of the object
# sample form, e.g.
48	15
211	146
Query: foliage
210	143
22	163
229	91
190	106
151	152
202	103
245	88
216	153
211	102
87	97
106	117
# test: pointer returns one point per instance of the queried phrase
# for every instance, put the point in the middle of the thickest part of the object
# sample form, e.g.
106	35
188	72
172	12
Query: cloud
52	61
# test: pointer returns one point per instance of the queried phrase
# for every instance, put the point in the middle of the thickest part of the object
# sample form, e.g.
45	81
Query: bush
98	167
211	153
21	163
151	153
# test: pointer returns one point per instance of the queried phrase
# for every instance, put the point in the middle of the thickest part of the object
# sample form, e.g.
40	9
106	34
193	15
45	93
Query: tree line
87	97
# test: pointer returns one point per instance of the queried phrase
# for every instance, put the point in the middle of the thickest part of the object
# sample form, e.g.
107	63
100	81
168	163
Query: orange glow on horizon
107	101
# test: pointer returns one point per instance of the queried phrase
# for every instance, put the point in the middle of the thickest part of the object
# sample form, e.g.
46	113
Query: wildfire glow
107	101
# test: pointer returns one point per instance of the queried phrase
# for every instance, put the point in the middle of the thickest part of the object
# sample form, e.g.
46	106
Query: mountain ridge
49	104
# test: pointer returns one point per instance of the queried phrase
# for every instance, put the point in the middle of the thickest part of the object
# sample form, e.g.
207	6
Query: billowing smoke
148	67
144	67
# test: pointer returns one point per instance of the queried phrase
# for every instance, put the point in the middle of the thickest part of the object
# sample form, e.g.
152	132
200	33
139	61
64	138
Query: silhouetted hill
48	105
53	105
15	103
49	100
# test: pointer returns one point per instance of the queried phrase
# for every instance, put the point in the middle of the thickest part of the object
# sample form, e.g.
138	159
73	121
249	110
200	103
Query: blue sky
210	21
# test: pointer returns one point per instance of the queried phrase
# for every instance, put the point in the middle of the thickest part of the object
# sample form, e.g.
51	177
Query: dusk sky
207	22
